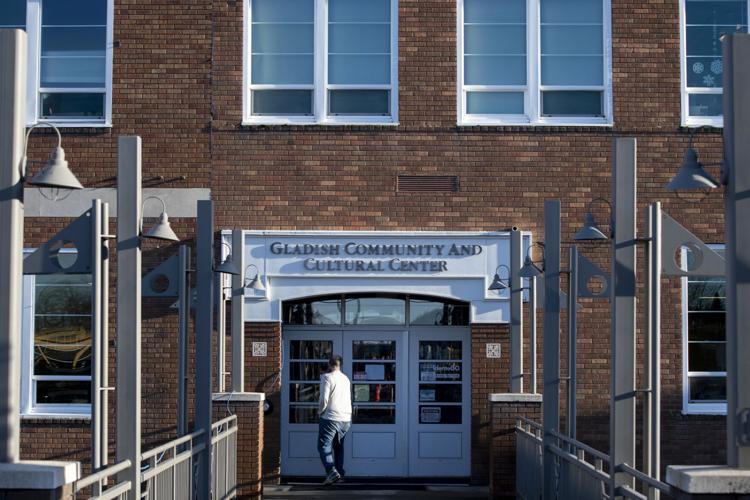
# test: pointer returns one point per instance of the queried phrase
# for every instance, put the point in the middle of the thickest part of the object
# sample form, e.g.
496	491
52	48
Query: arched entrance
409	359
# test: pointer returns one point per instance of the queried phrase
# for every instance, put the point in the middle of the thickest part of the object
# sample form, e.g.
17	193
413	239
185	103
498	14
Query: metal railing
579	469
529	460
224	458
96	483
167	470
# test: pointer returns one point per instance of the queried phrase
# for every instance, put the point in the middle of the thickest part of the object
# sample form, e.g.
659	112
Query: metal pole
203	325
622	393
551	367
516	312
12	107
570	425
238	311
104	335
532	332
648	335
737	172
221	339
183	312
129	311
96	335
655	268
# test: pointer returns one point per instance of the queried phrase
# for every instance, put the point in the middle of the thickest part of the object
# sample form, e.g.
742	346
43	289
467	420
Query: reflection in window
375	311
430	312
13	14
313	312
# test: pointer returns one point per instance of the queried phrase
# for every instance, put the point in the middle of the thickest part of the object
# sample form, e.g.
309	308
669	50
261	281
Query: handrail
116	491
102	474
529	435
581	446
230	418
582	464
530	422
171	462
630	493
169	445
654	483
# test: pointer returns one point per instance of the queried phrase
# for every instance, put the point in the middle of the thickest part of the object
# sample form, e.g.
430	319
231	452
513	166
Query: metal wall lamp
691	174
162	229
256	283
499	283
227	266
530	268
590	230
56	173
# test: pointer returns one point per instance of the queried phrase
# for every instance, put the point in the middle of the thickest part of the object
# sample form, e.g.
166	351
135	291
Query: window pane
706	105
716	12
359	11
304	393
706	40
707	326
572	40
306	371
707	357
374	393
359	102
63	392
375	311
282	10
63	279
495	70
705	72
13	14
62	346
359	38
313	312
282	102
374	349
494	11
572	70
73	73
571	11
311	349
74	42
572	103
280	38
705	389
74	12
303	415
440	414
441	393
62	300
282	69
428	312
439	350
495	103
441	371
374	415
362	69
706	296
380	372
493	39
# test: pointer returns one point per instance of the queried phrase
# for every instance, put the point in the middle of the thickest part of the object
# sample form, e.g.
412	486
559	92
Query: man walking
335	412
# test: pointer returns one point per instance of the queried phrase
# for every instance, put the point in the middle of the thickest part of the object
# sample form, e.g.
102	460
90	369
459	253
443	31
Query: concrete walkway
375	492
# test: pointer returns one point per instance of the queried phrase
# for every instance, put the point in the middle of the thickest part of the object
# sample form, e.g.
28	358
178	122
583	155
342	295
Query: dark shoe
332	477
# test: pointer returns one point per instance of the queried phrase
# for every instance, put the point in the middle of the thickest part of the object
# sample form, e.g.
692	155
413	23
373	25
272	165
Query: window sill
385	122
71	124
68	417
709	410
704	121
488	122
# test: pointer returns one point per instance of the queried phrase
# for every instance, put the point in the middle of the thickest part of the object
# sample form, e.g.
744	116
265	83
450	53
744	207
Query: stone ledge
239	396
515	398
38	474
709	479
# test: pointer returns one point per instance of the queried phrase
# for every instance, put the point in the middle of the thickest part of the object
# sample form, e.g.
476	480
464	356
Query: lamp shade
691	175
497	283
590	230
529	269
162	230
255	283
228	266
56	173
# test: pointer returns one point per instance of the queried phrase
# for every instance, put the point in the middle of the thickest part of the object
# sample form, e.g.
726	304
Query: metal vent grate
427	183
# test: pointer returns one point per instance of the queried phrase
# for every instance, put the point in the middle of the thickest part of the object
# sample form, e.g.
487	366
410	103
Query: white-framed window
56	347
704	342
534	62
70	59
321	62
702	23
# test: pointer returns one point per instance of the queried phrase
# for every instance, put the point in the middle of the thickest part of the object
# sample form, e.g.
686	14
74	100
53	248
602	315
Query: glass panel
282	69
374	393
375	311
281	38
572	103
373	349
572	40
63	392
716	12
62	345
494	11
62	300
62	279
440	393
359	38
706	105
428	312
283	102
572	70
703	389
364	69
73	73
440	372
374	415
707	357
74	12
13	13
440	349
306	371
74	42
706	296
706	40
704	72
313	312
282	10
311	349
707	326
359	102
495	70
357	11
304	393
571	11
303	414
374	371
494	39
439	414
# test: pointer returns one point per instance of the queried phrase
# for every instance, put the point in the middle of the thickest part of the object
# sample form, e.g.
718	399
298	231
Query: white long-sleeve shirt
335	397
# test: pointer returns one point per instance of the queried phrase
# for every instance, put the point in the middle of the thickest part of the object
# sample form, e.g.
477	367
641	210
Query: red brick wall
249	443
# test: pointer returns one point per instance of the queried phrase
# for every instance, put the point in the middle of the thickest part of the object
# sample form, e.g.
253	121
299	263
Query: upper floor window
534	62
321	61
70	58
703	22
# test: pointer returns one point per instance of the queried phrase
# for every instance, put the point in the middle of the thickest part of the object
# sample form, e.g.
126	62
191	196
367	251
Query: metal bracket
167	270
47	258
674	237
743	427
587	271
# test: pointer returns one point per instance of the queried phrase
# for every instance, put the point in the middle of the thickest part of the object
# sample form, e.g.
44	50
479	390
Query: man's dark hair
335	361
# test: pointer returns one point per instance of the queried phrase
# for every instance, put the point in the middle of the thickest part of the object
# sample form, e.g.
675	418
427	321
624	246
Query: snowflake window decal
709	81
717	67
698	68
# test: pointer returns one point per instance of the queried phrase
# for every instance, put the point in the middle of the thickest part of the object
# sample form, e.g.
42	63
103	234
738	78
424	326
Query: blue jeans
331	444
